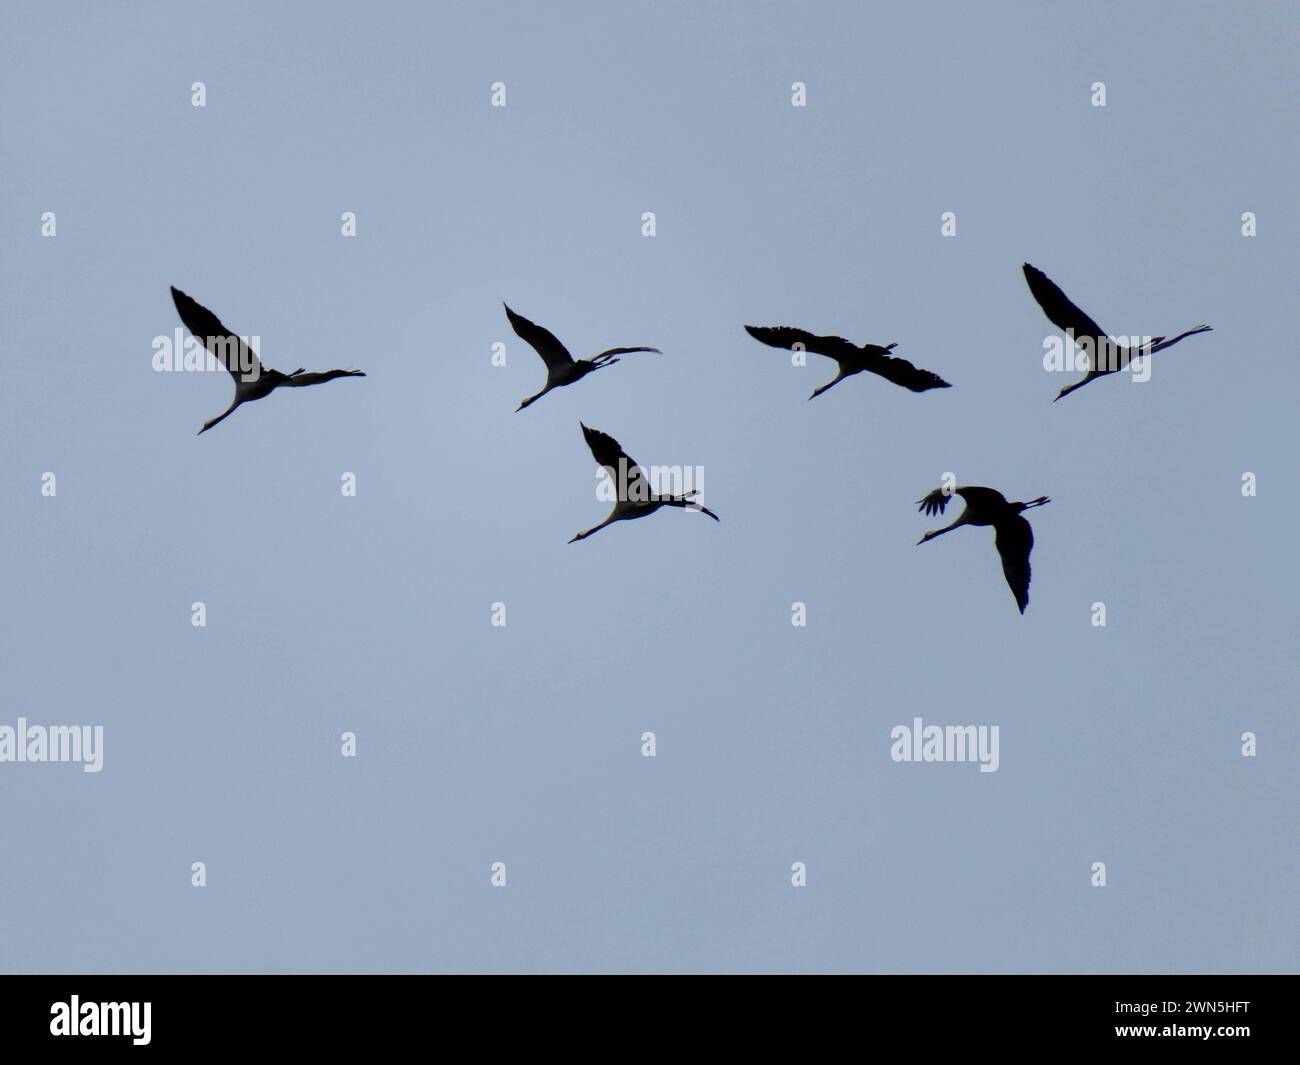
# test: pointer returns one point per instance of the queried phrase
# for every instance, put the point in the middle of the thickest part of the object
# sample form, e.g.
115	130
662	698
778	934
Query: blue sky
521	744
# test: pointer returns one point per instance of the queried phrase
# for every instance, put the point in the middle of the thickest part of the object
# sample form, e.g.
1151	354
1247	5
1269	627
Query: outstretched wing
934	502
1058	308
979	499
629	481
228	349
787	336
900	371
1015	539
982	500
543	341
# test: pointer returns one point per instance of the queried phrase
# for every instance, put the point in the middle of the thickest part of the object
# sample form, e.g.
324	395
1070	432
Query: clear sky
478	744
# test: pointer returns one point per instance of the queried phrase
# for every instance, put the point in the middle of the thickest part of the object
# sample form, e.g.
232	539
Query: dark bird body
1107	356
633	496
869	358
1013	536
252	379
561	367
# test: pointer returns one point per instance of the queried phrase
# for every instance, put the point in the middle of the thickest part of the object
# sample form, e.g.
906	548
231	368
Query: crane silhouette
252	379
1108	357
852	359
1012	534
633	497
561	367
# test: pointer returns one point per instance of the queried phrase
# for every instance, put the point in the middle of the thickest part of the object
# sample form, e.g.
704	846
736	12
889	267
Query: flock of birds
634	498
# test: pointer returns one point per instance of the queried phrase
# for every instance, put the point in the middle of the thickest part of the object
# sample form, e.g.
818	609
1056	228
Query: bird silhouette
561	367
1012	534
1107	356
252	379
852	359
633	497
